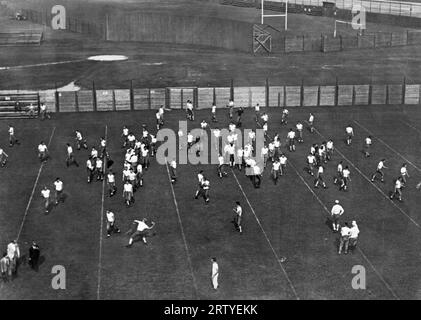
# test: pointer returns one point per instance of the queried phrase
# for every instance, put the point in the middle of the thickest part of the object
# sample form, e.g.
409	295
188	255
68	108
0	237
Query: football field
287	249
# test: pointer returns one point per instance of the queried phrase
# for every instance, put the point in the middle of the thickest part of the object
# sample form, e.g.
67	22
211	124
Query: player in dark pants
34	254
238	216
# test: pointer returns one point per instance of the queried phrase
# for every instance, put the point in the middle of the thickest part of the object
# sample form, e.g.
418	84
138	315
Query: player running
367	146
80	142
379	171
349	134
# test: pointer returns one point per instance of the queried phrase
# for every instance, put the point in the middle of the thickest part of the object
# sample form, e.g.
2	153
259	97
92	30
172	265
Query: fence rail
271	96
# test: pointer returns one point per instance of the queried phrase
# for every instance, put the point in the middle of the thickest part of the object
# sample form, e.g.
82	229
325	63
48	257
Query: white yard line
358	248
33	190
186	247
411	126
388	146
369	181
40	64
98	290
267	239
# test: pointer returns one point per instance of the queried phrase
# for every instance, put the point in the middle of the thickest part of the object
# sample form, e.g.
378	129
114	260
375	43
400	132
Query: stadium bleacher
21	38
17	105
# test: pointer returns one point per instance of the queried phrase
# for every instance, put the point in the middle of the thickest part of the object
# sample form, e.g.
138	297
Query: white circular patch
108	58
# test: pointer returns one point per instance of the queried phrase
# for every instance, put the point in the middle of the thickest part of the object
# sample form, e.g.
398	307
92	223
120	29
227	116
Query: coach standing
34	254
336	213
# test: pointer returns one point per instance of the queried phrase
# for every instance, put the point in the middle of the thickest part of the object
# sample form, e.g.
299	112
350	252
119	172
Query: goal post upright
263	15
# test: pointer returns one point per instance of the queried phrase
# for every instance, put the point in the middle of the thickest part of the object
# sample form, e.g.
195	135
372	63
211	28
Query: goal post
263	15
353	25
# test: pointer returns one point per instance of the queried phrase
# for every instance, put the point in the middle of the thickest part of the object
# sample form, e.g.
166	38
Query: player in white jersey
230	148
3	157
42	152
404	174
190	140
139	176
213	112
45	193
257	112
299	127
240	158
349	134
128	193
94	153
264	154
319	178
142	231
144	158
230	107
238	216
311	122
283	160
70	159
189	110
200	178
284	117
217	135
311	162
291	140
159	122
346	178
271	149
181	141
131	140
124	136
112	189
99	169
90	168
336	212
111	223
329	149
103	148
12	138
251	137
367	146
339	169
276	167
80	142
58	184
221	171
379	171
397	192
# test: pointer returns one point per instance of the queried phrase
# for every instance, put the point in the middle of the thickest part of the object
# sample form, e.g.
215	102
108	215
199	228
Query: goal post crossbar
263	15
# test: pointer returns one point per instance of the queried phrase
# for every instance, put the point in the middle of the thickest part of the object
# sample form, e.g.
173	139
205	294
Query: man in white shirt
346	177
336	212
339	170
189	110
128	193
215	273
311	162
139	176
299	127
13	253
12	138
70	159
291	140
42	152
275	170
80	142
284	117
367	145
319	178
112	189
111	225
58	185
142	230
125	135
238	216
99	169
231	154
257	112
283	161
349	134
397	190
217	135
311	122
379	171
354	235
264	153
257	179
221	164
329	149
404	174
45	193
344	239
231	108
90	168
214	113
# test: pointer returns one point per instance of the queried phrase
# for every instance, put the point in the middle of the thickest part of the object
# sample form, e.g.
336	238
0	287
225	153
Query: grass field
286	220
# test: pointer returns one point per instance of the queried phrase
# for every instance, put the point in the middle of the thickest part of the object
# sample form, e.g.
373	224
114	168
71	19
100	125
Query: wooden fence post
267	93
131	95
76	102
94	101
403	90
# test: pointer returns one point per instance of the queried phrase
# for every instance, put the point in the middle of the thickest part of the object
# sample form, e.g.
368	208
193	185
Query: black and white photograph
228	151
